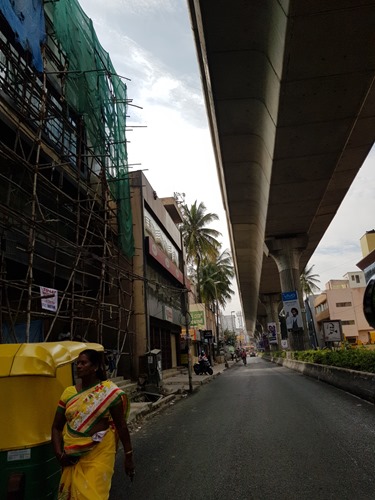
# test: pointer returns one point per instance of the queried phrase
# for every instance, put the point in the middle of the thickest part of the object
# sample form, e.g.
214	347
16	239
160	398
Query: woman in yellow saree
89	419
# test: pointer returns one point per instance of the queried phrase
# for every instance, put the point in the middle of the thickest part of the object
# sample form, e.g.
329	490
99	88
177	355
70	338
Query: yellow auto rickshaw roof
42	358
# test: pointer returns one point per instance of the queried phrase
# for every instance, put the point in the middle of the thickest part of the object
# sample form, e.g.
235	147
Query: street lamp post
187	318
232	313
217	317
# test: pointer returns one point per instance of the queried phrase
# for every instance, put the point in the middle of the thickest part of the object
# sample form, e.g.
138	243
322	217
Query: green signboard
197	318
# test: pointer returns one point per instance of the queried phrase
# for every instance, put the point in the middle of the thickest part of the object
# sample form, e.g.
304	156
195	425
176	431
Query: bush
353	359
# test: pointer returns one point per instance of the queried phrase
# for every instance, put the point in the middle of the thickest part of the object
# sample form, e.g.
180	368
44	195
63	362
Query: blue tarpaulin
26	19
36	333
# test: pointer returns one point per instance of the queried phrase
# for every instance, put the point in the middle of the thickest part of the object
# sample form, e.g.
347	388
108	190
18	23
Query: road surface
261	432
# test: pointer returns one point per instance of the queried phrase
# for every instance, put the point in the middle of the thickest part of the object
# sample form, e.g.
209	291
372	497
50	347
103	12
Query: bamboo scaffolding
72	232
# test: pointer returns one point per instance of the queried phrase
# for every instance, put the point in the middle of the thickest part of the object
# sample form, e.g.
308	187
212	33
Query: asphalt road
261	432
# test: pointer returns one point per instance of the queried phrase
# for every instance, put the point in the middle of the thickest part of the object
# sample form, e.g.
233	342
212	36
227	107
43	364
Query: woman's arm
117	413
56	433
57	440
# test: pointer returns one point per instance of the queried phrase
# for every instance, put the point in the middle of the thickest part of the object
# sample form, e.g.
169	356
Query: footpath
174	387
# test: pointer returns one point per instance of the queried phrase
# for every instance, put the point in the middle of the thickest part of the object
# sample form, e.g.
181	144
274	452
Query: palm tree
309	281
215	278
200	241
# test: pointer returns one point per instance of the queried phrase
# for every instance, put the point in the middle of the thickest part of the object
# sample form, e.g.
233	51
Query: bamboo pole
34	203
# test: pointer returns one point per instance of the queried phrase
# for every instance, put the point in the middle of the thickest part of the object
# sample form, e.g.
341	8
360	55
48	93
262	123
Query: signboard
198	319
168	314
292	310
48	298
192	333
284	344
272	333
332	331
156	252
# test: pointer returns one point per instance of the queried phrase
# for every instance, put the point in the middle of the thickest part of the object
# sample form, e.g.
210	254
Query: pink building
343	300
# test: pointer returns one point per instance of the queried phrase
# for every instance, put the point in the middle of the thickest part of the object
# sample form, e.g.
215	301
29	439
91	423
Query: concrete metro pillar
286	252
271	302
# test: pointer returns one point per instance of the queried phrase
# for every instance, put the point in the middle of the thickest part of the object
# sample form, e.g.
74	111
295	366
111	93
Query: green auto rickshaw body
32	379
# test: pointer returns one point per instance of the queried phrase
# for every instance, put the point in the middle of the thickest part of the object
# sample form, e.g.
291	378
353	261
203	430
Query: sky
151	43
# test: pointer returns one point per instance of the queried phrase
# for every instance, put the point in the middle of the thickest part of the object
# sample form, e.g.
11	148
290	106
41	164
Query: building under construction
65	215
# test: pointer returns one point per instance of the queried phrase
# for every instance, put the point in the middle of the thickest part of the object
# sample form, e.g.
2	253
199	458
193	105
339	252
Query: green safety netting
95	91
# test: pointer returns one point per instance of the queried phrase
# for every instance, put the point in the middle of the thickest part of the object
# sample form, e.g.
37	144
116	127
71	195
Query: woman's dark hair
96	358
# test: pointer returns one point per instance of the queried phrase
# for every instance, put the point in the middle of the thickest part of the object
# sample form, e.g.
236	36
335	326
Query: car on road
252	354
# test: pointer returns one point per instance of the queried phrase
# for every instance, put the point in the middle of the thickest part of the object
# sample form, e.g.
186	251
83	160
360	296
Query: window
321	307
162	240
348	322
343	304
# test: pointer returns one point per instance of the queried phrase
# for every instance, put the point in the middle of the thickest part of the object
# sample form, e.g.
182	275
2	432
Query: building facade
160	282
343	300
367	263
65	215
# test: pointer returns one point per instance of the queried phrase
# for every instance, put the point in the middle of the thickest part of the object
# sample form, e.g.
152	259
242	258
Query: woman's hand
66	461
117	413
129	465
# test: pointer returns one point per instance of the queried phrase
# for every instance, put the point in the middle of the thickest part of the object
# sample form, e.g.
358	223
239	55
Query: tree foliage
309	281
211	270
200	241
216	278
230	338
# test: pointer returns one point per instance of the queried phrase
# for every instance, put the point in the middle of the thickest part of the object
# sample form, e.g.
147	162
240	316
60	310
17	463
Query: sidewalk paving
174	387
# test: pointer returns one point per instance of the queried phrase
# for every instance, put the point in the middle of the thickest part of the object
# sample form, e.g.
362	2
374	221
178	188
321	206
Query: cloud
127	7
156	79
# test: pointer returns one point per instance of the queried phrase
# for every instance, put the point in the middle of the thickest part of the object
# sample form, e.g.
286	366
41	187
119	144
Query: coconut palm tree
309	281
216	279
200	240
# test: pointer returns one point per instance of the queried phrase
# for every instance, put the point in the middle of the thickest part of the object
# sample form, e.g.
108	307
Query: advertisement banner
272	333
292	310
332	331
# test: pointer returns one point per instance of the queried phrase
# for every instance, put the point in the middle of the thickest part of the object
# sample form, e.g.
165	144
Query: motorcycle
203	368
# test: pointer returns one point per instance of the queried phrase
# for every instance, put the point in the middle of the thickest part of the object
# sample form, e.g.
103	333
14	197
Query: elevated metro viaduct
289	90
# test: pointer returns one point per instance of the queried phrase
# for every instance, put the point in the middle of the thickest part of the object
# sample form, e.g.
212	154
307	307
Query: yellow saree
90	478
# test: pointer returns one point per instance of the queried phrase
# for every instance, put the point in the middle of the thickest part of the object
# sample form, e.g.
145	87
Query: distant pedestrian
238	353
244	356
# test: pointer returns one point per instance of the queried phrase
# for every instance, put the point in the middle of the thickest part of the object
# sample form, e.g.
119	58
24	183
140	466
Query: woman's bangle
129	452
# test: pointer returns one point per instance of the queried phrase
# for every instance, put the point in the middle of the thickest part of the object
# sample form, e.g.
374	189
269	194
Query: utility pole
232	315
187	323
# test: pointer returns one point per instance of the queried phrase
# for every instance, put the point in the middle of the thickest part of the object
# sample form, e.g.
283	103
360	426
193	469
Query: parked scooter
203	368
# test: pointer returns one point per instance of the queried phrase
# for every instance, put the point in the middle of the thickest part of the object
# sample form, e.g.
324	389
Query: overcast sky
151	43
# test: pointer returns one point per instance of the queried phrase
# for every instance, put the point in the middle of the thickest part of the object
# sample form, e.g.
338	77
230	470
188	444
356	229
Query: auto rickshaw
32	379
